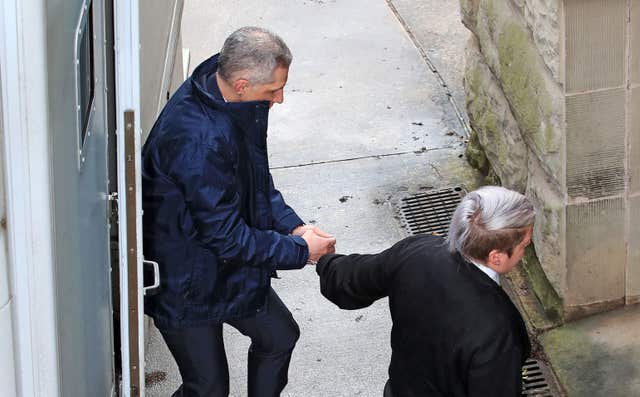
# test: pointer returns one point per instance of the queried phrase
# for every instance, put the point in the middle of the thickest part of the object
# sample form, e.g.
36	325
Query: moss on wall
524	87
492	17
492	178
551	302
547	229
475	154
488	149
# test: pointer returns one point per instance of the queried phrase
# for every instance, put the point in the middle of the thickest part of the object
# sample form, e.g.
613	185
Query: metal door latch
113	207
155	269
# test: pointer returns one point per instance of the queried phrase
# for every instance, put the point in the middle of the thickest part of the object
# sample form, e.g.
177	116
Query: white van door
128	131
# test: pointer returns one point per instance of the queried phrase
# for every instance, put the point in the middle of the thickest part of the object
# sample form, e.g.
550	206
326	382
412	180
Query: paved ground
598	356
365	122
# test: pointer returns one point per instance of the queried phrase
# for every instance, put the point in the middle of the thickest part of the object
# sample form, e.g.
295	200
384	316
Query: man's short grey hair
491	217
252	53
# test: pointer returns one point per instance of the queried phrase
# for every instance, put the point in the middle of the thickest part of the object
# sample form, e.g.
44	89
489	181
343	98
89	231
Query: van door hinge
113	208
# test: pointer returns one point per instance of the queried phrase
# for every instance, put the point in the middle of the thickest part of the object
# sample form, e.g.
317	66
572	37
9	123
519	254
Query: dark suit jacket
455	331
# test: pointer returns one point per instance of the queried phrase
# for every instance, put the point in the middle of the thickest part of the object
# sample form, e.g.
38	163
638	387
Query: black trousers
199	353
387	389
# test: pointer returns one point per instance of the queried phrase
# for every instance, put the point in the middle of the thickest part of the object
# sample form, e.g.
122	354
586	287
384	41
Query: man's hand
319	244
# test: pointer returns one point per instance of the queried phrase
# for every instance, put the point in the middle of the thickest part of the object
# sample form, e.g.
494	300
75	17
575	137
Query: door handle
152	289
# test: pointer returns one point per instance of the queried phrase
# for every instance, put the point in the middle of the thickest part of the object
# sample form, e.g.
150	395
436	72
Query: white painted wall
7	367
26	162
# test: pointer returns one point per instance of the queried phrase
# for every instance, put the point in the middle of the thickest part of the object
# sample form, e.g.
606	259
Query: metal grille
430	212
534	382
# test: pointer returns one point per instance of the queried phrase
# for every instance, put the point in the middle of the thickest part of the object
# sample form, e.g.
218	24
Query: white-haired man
455	332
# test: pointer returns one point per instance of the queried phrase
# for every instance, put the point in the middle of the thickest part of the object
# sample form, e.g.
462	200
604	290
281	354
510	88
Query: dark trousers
199	353
387	389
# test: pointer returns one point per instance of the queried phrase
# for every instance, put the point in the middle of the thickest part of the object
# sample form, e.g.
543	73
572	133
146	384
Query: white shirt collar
488	271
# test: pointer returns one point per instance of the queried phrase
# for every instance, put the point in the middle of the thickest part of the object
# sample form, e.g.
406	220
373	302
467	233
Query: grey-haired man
216	224
455	331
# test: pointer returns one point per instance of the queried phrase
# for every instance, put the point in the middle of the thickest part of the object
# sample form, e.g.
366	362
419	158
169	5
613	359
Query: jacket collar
480	276
244	114
477	273
486	270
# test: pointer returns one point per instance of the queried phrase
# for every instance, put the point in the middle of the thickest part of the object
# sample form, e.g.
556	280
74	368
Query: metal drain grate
430	212
534	380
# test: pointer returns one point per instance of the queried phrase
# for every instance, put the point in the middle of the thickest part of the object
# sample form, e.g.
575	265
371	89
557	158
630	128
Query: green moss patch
524	86
549	298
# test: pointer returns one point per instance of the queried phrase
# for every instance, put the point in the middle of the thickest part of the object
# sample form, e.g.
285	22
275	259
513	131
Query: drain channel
430	213
534	382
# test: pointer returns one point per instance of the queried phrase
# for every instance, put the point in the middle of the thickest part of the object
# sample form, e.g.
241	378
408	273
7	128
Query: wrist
299	230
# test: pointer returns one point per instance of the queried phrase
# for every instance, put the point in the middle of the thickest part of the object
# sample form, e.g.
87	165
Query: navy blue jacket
213	219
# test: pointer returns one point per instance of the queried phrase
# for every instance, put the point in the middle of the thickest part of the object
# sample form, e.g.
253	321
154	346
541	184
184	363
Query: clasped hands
318	241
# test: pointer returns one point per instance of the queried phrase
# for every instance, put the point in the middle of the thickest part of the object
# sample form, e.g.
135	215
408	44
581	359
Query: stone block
520	4
469	13
635	41
596	144
595	44
535	98
491	118
561	68
595	253
542	17
633	259
634	141
549	229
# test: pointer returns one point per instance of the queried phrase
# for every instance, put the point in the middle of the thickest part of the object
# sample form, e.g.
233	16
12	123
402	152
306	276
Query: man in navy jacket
455	331
216	224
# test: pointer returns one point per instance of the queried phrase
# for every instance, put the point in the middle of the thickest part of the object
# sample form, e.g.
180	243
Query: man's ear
496	259
240	86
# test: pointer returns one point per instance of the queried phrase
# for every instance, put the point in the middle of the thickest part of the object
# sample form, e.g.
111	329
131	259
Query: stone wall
553	101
